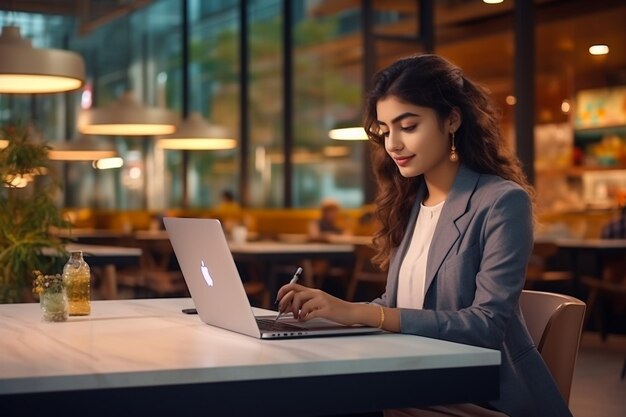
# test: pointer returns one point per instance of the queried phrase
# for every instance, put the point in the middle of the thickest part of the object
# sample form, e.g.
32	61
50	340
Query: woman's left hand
308	303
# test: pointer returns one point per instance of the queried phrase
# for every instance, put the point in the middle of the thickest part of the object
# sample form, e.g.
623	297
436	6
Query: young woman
456	232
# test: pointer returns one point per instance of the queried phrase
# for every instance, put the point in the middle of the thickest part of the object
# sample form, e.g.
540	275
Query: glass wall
328	85
142	52
265	75
214	84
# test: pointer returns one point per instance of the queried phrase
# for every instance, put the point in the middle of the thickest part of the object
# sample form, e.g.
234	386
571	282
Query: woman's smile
403	161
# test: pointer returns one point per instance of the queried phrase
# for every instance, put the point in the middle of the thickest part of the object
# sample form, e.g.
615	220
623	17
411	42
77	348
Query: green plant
27	213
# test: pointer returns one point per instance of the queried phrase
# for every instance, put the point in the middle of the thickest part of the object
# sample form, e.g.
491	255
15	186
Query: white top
413	269
131	343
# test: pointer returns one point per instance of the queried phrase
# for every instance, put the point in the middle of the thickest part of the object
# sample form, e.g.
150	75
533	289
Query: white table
138	357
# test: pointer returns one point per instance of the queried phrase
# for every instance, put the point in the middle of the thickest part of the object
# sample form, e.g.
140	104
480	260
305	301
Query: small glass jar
52	297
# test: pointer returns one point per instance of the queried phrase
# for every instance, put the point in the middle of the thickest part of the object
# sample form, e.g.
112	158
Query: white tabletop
131	343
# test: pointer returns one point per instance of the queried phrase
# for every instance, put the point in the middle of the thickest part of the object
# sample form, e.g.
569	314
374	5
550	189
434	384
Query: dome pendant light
127	117
28	70
84	148
195	133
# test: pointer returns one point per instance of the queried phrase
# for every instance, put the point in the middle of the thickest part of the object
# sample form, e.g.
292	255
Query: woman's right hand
308	303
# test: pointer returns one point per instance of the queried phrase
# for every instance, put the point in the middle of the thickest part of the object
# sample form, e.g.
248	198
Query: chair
538	270
364	270
555	325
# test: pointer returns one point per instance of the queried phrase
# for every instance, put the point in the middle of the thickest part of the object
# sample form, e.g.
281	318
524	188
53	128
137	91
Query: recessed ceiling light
493	1
510	100
599	49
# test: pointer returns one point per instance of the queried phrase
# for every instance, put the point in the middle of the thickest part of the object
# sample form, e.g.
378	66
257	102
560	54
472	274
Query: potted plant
27	213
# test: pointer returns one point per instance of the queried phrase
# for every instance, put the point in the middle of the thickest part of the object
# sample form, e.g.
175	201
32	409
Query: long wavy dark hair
433	82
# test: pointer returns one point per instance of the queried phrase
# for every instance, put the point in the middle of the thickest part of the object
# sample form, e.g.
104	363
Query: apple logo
206	275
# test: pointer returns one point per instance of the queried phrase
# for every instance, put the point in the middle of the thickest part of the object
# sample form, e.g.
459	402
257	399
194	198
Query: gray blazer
474	276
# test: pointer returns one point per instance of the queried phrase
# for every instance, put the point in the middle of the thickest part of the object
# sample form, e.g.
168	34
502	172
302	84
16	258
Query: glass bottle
76	276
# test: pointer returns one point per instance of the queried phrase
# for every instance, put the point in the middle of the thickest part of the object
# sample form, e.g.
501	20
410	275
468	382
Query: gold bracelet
382	317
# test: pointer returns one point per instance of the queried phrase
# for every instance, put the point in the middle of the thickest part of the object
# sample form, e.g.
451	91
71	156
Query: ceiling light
127	117
28	70
599	49
195	133
83	149
348	133
510	100
108	163
493	1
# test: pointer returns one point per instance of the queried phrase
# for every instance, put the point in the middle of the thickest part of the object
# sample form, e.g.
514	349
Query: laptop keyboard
271	325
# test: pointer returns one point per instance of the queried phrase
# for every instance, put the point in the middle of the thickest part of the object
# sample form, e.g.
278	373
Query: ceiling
91	13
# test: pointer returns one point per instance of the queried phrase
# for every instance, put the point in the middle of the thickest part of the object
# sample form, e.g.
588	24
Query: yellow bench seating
264	222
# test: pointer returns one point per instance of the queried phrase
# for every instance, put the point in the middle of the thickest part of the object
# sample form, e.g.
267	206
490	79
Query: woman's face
414	138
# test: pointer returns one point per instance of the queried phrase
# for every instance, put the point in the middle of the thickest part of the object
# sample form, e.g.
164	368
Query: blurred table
144	357
109	258
271	252
94	236
290	249
599	249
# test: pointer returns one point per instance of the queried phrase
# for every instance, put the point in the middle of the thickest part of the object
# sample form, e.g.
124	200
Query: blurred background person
328	225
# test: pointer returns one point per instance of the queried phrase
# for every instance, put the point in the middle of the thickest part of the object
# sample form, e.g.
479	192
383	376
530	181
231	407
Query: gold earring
453	155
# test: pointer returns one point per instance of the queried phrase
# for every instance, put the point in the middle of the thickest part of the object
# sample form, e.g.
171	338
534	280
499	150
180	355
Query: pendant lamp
28	70
195	133
82	149
127	117
348	133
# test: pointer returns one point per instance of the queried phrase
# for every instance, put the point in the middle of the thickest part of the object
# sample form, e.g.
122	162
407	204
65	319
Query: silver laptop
217	290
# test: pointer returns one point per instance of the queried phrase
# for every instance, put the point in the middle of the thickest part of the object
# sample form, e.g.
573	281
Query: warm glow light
598	49
3	143
27	84
127	117
565	106
82	149
493	1
108	163
17	181
134	173
197	144
510	100
196	134
67	155
28	70
134	129
336	151
348	133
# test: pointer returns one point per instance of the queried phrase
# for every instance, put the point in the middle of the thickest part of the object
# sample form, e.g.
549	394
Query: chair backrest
537	264
364	269
555	325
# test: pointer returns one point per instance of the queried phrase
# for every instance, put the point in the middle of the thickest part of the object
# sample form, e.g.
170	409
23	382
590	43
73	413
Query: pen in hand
294	279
